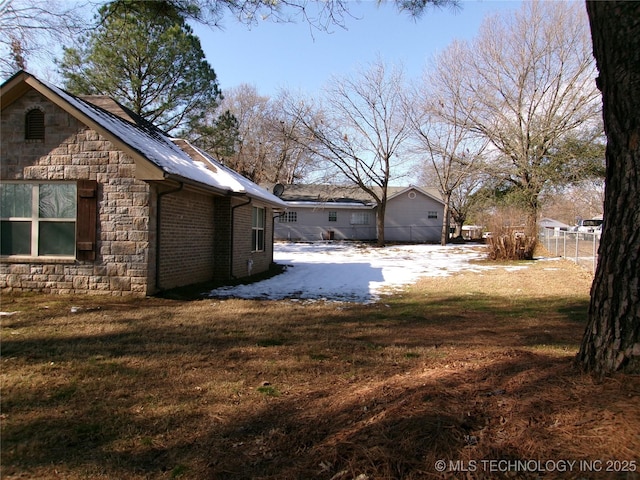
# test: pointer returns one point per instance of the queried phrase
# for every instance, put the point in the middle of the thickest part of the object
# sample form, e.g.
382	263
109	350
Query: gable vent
34	125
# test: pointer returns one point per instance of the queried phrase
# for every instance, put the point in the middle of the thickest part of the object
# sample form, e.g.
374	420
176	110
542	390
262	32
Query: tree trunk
444	235
382	207
611	341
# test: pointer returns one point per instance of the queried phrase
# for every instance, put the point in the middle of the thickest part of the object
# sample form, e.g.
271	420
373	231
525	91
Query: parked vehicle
589	225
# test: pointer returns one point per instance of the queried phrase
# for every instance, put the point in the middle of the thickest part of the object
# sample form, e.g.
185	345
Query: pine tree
152	64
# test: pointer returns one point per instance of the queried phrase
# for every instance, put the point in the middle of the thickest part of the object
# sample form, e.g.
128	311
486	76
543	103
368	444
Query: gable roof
352	196
316	193
157	156
432	193
552	223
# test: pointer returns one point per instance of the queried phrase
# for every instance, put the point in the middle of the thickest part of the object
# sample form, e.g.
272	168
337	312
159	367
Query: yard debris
470	440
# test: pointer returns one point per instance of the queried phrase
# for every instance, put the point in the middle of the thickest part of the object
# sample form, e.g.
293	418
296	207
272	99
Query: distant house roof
338	195
551	223
162	157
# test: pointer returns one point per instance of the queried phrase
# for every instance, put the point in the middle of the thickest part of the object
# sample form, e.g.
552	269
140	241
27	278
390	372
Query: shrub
510	239
511	245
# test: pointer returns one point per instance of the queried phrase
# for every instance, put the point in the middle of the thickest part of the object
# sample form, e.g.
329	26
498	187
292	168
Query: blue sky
271	56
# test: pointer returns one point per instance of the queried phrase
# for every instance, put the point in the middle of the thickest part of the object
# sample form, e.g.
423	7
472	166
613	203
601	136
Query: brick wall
186	238
245	261
71	151
222	239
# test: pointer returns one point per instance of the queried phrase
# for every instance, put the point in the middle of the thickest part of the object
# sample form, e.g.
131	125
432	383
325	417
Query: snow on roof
154	145
229	176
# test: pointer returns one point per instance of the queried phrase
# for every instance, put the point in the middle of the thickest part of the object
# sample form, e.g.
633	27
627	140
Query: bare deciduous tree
442	130
361	131
266	151
527	86
30	28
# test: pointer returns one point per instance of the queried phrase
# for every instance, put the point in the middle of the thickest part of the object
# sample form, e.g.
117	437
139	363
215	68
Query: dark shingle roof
338	193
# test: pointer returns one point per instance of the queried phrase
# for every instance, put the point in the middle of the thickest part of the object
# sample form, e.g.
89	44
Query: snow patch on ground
353	272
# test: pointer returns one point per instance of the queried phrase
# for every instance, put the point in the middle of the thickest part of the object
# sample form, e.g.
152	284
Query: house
94	199
327	212
553	224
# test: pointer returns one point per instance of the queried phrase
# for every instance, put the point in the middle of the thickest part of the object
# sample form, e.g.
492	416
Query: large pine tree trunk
611	341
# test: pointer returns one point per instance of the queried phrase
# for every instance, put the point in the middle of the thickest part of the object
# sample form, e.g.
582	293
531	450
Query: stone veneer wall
71	151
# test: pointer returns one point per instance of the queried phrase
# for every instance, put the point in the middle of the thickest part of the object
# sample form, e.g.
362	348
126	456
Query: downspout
273	230
158	230
233	209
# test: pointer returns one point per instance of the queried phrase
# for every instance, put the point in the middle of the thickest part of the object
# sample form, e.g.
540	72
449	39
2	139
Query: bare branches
31	29
526	85
360	130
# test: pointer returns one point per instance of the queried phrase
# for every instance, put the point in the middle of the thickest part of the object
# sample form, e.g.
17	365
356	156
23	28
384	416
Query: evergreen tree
152	64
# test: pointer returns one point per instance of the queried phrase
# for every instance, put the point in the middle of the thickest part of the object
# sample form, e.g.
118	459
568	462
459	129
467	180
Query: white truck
591	225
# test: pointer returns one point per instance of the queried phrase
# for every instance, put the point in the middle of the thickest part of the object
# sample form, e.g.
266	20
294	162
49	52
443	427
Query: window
257	229
34	125
432	214
333	216
38	219
288	217
360	218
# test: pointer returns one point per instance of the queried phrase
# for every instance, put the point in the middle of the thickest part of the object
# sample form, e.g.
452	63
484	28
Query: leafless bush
510	240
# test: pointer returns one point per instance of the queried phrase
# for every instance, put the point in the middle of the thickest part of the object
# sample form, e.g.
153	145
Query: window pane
57	238
15	238
57	200
359	218
15	200
257	219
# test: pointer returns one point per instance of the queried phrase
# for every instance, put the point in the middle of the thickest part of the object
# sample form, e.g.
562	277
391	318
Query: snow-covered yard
353	272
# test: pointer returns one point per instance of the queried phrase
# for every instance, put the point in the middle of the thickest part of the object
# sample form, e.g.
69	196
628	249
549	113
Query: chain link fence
580	247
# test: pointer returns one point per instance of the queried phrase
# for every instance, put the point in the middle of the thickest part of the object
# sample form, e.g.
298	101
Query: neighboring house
326	212
94	199
553	224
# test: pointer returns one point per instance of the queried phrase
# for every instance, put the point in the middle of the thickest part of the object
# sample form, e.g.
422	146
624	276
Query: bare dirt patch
472	369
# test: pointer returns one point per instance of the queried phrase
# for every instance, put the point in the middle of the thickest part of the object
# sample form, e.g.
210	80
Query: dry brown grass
474	367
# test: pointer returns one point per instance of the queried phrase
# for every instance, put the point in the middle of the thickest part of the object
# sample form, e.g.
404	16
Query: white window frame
288	217
257	229
432	214
360	218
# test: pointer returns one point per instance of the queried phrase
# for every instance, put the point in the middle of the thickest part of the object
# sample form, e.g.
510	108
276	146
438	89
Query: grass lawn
473	369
